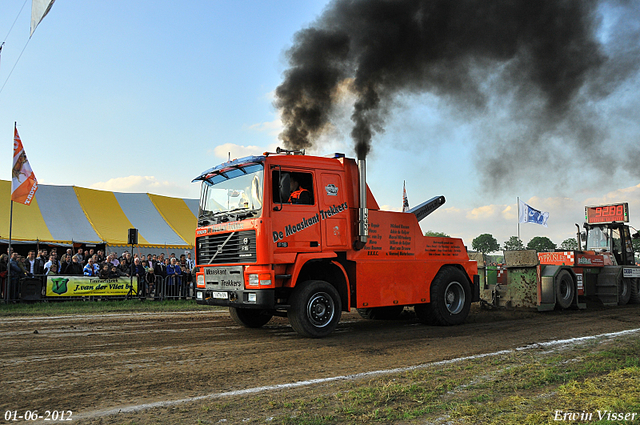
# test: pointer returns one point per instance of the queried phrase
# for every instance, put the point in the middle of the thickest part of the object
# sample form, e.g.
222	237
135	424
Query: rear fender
473	280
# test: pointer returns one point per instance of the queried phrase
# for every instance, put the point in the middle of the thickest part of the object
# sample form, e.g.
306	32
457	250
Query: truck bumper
259	299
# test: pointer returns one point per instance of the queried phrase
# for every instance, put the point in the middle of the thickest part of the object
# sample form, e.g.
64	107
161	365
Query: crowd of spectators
155	274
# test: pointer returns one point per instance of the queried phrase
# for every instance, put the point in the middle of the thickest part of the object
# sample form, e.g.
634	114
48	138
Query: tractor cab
606	231
614	238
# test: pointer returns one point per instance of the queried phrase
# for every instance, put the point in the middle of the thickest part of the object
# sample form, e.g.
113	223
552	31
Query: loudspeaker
133	237
31	289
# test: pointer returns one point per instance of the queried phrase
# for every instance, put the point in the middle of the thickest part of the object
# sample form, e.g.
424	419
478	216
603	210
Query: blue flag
529	214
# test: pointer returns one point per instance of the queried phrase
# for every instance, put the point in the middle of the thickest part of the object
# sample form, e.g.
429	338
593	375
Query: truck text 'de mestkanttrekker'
291	234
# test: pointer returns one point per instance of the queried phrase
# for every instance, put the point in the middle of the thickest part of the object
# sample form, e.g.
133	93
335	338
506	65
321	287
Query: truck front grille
227	248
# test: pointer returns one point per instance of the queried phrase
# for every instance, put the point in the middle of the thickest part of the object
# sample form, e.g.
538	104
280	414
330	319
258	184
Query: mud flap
476	289
547	289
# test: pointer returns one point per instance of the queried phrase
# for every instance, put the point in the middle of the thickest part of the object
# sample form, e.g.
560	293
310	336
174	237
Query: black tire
315	308
450	299
565	289
250	318
634	291
624	291
381	313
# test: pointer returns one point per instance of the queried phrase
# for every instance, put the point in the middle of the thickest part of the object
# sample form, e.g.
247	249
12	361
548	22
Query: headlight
254	280
199	295
200	281
251	297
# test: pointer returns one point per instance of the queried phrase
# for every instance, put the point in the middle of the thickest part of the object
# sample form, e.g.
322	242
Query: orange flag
23	181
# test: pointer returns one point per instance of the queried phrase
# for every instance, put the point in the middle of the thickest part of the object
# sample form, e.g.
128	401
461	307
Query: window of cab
291	187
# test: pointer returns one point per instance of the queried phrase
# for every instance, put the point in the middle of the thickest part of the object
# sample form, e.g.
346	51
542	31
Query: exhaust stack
363	212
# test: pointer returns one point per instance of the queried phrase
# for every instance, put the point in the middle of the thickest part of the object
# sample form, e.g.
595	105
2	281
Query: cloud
145	184
390	208
500	220
510	212
483	212
628	194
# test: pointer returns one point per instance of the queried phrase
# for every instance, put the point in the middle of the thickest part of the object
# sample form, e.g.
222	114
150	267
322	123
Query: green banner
85	286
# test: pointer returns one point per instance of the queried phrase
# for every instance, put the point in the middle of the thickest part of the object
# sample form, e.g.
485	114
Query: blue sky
142	96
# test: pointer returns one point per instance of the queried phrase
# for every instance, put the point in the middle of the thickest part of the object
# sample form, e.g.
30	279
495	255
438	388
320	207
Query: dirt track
88	364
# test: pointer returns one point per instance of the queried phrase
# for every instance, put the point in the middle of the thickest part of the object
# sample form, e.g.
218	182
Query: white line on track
356	376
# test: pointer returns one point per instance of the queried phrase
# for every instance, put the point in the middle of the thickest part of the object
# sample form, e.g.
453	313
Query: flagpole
518	218
8	284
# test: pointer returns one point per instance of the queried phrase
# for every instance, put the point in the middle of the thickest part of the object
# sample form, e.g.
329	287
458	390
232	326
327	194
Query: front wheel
249	318
450	299
315	308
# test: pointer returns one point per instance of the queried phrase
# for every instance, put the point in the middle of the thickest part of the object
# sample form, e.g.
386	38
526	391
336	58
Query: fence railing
54	287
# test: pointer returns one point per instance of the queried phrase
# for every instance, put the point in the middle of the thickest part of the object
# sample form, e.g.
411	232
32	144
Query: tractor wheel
249	318
450	299
564	289
381	313
634	291
624	291
315	308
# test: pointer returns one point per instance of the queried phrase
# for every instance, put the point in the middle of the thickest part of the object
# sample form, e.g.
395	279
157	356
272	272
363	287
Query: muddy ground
95	365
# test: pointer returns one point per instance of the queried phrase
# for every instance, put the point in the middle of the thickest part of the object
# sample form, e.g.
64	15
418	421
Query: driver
299	195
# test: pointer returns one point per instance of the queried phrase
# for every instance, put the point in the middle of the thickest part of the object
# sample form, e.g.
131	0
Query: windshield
239	192
597	239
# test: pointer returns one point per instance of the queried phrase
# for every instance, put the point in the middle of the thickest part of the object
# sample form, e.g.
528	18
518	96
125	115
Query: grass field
593	382
56	308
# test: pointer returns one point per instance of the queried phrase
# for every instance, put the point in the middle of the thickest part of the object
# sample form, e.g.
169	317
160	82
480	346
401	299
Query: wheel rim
454	297
320	309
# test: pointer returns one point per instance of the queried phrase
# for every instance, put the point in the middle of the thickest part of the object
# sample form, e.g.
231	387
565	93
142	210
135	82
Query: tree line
486	243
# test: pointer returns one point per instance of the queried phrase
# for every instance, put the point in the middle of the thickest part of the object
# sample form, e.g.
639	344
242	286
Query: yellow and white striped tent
71	214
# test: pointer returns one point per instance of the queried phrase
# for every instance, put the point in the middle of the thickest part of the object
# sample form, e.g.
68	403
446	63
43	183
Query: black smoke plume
541	53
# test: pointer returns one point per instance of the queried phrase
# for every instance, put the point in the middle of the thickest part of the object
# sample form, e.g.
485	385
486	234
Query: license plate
220	295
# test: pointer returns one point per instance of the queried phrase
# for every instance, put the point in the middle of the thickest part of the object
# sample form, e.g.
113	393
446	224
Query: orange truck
288	234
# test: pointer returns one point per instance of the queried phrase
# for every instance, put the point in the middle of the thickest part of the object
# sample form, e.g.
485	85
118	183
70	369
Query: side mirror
284	190
285	187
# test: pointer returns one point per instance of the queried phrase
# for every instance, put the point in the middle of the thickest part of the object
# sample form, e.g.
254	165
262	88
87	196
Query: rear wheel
564	289
250	318
450	299
634	291
624	291
315	308
381	313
